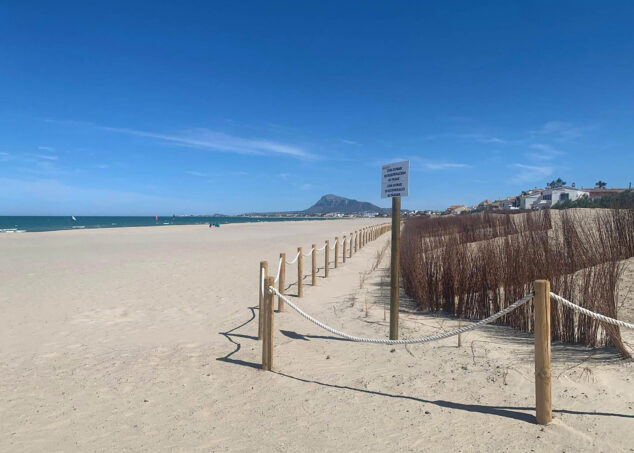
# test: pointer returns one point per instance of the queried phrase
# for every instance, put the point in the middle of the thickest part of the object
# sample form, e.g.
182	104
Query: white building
553	196
527	201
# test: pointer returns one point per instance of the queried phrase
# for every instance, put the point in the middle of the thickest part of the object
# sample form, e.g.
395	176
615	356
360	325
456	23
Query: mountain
335	204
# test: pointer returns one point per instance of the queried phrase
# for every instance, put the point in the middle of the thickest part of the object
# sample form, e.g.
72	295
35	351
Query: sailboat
74	219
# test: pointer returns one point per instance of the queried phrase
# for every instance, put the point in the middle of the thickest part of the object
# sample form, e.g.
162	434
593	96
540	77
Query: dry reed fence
474	265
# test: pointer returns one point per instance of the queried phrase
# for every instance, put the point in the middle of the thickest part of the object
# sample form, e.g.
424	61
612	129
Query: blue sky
201	107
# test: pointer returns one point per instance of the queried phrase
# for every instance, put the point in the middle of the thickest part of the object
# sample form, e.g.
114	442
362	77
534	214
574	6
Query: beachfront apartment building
456	209
564	193
546	198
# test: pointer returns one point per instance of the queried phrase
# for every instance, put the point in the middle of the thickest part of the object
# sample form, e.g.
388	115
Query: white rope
279	269
334	244
592	314
309	253
441	336
321	248
262	284
294	259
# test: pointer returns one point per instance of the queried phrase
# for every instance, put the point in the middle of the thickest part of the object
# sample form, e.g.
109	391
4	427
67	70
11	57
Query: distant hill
330	204
341	205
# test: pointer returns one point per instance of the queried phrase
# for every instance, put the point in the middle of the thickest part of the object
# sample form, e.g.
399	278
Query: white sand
112	340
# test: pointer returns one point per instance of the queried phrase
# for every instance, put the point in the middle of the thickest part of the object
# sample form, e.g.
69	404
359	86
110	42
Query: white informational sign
395	179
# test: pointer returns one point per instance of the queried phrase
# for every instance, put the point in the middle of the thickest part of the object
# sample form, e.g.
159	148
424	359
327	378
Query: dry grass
472	266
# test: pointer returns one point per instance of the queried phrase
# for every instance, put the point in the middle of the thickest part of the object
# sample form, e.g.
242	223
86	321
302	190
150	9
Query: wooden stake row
354	242
543	392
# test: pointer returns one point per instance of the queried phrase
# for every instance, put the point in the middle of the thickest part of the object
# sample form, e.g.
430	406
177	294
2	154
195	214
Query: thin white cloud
209	175
559	131
219	141
46	156
444	165
46	148
492	140
544	151
530	173
51	195
349	142
102	166
197	173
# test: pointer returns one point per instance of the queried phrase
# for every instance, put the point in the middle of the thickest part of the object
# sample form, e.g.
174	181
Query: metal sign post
395	184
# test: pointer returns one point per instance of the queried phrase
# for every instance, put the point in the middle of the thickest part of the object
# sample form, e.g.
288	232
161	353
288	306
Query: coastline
219	220
145	339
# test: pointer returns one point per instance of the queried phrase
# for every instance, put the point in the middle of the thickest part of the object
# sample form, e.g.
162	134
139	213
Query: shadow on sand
229	334
500	411
515	413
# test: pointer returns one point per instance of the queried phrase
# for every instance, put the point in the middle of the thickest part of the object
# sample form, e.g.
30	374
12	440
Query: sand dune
144	339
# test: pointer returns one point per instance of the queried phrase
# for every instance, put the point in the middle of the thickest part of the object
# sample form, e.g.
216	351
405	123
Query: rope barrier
436	337
294	259
279	269
592	314
321	248
309	253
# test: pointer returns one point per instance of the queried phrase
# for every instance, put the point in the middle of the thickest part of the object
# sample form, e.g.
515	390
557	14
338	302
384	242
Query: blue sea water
10	224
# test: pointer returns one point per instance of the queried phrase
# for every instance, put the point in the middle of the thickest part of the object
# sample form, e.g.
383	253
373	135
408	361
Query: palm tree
556	183
600	184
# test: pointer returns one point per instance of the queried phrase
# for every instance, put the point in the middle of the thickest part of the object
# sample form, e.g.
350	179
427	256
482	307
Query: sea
23	224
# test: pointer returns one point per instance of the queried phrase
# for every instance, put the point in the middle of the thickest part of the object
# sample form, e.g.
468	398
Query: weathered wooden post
327	259
314	265
300	273
351	244
280	301
345	238
396	251
543	398
264	270
336	251
267	343
356	241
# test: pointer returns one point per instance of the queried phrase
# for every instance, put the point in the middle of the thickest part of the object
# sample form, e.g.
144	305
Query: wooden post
396	251
314	265
327	259
280	301
336	251
351	245
543	400
356	241
264	270
351	242
300	272
344	248
267	343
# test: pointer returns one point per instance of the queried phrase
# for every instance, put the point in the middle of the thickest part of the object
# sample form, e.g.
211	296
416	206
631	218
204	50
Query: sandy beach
145	339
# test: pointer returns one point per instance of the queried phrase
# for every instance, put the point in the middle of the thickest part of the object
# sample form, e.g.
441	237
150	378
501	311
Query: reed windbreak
474	265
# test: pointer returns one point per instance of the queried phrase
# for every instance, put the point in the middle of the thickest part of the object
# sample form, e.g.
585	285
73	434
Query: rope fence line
592	314
358	239
541	297
279	269
294	259
436	337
